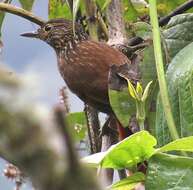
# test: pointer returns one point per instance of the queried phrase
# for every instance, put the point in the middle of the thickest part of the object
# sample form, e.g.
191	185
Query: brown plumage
83	64
86	72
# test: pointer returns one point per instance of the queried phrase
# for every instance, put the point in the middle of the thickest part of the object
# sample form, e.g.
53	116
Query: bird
84	64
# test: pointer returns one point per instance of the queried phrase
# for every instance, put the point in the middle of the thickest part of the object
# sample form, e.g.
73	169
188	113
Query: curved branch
21	12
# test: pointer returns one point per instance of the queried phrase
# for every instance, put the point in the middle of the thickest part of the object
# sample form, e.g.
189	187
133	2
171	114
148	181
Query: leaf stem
160	70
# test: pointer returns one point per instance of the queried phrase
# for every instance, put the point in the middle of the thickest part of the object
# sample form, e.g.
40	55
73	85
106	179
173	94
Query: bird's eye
47	28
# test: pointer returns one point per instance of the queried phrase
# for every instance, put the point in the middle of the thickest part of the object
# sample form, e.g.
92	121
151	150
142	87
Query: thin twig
179	10
22	13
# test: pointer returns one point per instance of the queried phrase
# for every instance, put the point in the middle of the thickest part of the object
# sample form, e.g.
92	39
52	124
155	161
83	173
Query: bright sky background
34	58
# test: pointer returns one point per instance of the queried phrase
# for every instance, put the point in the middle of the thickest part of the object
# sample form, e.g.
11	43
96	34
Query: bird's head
57	33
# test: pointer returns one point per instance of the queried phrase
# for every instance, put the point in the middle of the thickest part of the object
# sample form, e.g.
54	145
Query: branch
117	32
179	10
22	13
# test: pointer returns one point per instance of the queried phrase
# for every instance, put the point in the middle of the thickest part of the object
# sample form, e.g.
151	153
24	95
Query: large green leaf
179	33
180	86
27	4
135	149
127	153
77	124
59	9
169	172
130	182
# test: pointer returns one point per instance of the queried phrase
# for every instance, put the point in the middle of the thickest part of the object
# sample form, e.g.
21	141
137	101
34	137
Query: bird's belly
90	87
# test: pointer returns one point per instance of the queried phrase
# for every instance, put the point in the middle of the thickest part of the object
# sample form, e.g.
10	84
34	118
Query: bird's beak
31	34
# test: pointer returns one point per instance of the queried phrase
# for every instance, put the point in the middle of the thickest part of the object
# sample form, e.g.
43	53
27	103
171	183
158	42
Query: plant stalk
140	114
160	70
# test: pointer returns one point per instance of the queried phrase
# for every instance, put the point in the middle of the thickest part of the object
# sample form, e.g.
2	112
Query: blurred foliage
8	78
27	4
77	124
130	13
165	6
59	9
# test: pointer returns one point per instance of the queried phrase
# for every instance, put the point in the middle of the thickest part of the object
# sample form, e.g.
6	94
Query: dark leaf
169	172
180	86
179	33
122	103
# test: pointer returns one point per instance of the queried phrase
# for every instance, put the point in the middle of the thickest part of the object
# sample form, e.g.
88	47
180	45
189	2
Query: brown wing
86	72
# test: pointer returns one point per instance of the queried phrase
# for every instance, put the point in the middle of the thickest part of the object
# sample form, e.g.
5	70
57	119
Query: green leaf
130	151
130	182
142	29
165	6
180	89
27	4
179	33
59	9
123	105
77	124
169	172
183	144
130	13
125	154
